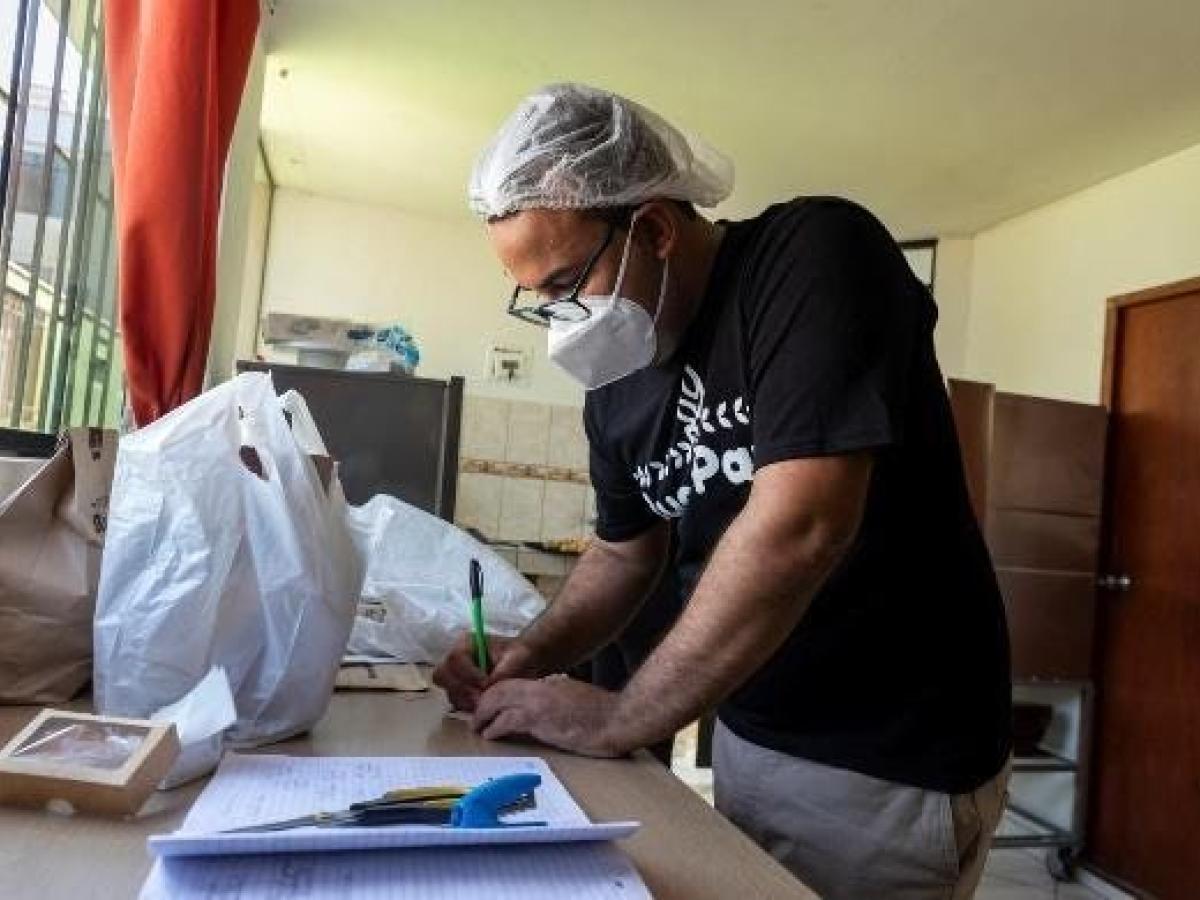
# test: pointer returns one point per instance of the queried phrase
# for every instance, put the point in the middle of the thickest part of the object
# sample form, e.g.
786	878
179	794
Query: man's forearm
752	595
801	517
603	592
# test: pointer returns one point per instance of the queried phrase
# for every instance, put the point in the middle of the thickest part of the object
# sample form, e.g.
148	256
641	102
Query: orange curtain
176	70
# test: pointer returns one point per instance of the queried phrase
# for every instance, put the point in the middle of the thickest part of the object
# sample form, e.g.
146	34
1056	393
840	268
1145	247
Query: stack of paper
571	857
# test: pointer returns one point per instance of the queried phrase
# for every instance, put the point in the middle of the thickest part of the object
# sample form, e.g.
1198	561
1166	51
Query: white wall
436	277
1021	304
952	290
258	230
233	232
1039	282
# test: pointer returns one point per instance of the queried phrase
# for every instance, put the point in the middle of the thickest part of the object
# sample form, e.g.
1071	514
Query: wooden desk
684	850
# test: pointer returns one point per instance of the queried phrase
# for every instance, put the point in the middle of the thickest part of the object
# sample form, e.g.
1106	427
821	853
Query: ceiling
945	116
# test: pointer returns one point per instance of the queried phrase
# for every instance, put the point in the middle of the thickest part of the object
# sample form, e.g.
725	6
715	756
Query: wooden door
1145	804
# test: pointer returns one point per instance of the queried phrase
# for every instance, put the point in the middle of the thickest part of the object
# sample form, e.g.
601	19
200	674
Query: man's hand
558	711
461	679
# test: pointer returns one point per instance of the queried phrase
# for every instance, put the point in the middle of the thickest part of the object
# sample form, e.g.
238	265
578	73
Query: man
770	388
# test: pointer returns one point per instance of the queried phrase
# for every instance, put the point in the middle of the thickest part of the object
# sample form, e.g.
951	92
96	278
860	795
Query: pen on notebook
481	652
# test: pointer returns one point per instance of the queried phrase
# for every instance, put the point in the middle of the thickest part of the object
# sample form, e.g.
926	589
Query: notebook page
544	872
254	789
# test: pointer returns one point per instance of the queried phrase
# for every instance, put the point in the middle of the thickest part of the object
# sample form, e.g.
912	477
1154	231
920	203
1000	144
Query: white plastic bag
209	564
416	593
201	718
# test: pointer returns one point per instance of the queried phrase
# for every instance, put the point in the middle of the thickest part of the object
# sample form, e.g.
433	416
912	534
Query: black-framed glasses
560	309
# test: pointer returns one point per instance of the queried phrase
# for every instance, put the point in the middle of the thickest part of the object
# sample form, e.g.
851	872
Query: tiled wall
523	471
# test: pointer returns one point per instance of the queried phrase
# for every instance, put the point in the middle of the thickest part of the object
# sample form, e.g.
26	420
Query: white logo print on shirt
690	463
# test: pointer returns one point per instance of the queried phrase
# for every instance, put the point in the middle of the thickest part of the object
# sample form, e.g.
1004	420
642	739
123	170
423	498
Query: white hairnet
571	146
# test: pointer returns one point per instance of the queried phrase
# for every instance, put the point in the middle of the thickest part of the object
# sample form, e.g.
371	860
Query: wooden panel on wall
1035	468
1038	540
1047	455
1051	619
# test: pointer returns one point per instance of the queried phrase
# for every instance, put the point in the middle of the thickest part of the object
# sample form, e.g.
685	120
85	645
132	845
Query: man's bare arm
605	589
603	592
801	517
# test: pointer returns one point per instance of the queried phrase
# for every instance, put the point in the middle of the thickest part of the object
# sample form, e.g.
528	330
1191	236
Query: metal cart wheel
1061	863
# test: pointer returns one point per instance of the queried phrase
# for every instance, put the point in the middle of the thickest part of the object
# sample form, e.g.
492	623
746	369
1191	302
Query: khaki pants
852	837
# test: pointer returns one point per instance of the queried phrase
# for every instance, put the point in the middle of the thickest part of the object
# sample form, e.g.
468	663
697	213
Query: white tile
528	432
987	891
536	562
1102	889
477	504
563	510
1074	891
484	428
549	586
521	509
589	510
508	554
683	763
1013	867
1017	874
568	441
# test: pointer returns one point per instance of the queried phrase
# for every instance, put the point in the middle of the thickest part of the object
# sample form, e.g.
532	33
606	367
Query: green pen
481	652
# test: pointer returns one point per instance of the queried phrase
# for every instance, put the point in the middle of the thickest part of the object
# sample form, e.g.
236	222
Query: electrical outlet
508	365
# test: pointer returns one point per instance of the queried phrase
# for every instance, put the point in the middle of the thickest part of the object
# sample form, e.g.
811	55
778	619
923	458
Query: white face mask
616	340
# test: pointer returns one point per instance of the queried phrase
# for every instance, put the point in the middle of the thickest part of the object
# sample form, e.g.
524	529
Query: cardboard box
99	764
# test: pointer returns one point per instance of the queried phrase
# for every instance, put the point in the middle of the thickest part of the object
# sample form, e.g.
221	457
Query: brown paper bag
51	535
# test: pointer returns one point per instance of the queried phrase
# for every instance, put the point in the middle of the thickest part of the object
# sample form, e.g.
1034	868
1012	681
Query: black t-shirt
814	338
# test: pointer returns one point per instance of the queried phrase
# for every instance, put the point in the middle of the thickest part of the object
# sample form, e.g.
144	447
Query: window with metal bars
60	362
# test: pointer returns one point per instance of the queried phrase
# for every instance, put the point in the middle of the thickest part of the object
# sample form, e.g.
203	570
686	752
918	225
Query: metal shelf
1040	834
1044	761
1025	828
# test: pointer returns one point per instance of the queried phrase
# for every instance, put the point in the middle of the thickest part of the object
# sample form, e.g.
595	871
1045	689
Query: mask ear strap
616	291
662	289
662	285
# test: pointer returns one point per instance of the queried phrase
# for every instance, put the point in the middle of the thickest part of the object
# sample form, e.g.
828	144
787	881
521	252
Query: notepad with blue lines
252	789
574	857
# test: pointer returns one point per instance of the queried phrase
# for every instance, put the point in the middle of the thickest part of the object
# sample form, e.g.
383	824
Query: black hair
619	216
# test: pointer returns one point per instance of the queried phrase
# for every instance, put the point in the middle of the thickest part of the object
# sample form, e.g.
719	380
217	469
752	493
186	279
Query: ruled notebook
252	789
569	854
528	872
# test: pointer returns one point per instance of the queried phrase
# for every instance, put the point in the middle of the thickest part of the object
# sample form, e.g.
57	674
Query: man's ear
659	227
